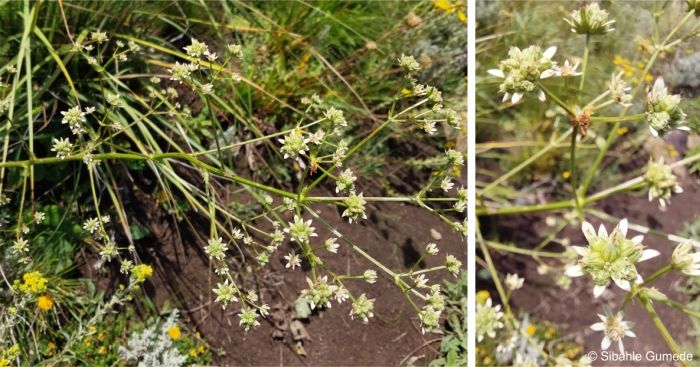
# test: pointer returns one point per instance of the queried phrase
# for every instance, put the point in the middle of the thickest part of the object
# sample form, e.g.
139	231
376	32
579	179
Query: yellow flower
50	347
101	336
622	130
566	175
444	5
141	272
34	283
531	330
44	302
482	296
193	352
405	91
102	350
174	332
462	16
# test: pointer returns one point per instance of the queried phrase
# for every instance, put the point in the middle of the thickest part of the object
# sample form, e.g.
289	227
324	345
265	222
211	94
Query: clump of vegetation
240	123
573	123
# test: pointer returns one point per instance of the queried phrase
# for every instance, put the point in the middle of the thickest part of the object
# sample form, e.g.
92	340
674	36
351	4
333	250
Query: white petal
602	232
639	279
541	96
588	231
506	97
637	239
630	334
582	251
653	132
605	344
620	346
623	225
623	284
548	53
598	290
516	98
659	83
496	72
574	271
547	73
598	326
648	254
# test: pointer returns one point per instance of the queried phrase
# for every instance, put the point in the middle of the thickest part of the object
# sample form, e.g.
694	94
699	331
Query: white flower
432	249
294	144
300	231
293	260
370	276
447	184
610	257
216	248
685	260
514	282
421	281
615	329
331	245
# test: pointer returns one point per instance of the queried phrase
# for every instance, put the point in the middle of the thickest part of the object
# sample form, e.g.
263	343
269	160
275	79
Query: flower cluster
590	20
488	319
610	257
521	71
614	329
33	282
663	110
362	308
685	259
661	181
294	144
355	207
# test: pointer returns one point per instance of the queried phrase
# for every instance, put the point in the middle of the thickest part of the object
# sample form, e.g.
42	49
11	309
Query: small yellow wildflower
566	175
50	348
193	352
462	16
672	152
87	341
44	302
34	283
174	332
482	296
445	5
405	91
531	330
102	350
622	130
141	272
101	336
200	349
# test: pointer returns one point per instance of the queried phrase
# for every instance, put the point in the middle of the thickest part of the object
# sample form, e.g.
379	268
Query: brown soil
394	234
575	309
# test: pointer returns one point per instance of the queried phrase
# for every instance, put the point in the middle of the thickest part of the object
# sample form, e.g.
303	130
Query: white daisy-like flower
615	329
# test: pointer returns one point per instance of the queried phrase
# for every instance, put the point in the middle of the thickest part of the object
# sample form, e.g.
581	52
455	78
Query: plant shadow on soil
575	309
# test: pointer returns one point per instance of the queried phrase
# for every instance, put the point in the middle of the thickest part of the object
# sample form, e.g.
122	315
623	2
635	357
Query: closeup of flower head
488	320
614	329
610	257
294	144
521	71
590	20
319	293
661	181
355	207
619	90
362	308
300	231
663	110
685	259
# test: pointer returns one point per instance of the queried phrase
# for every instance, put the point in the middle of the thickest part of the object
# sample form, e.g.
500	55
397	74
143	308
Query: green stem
646	303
